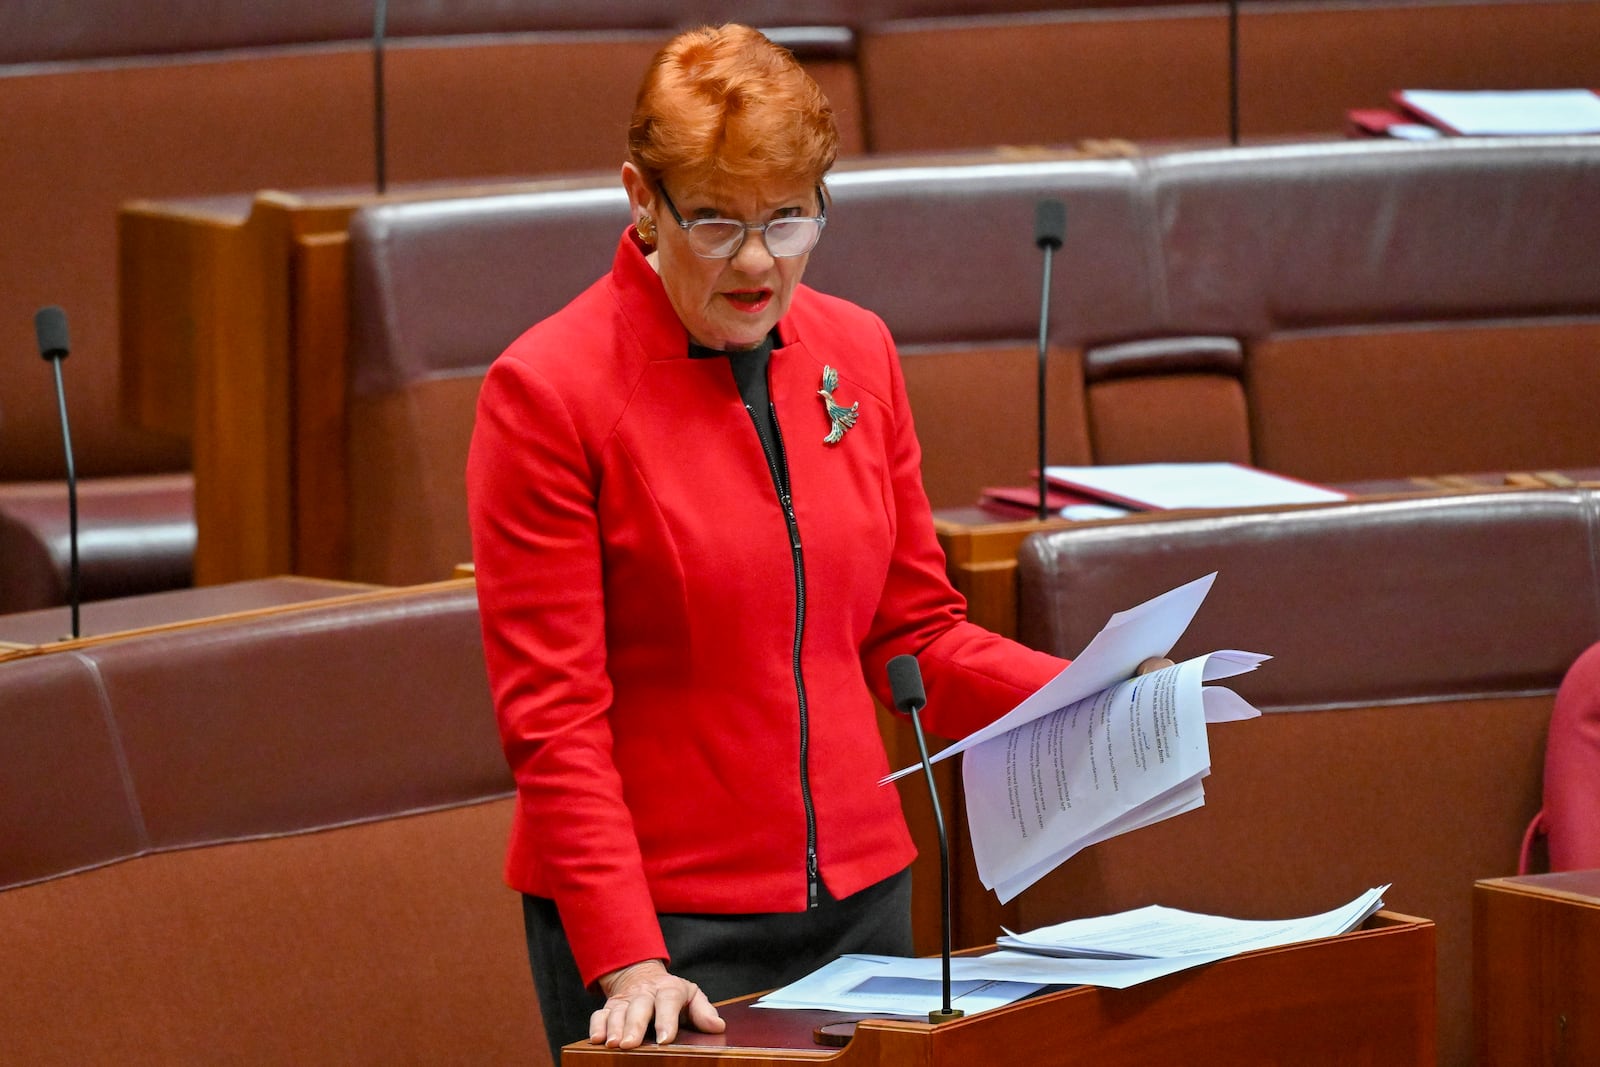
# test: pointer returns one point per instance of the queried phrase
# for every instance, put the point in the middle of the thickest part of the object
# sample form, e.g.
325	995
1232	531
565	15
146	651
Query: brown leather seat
269	838
136	535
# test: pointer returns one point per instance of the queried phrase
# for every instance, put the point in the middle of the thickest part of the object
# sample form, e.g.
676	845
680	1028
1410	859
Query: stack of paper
1097	752
1187	485
1116	952
1489	113
1157	932
869	985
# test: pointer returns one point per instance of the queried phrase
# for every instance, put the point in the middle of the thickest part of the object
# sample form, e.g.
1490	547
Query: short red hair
724	103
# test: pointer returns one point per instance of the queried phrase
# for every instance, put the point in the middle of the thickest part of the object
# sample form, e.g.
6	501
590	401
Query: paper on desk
866	984
1114	761
1189	485
1518	111
1156	932
1206	941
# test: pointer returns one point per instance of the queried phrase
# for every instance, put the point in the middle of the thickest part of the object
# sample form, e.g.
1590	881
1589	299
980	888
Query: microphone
905	682
380	125
50	327
1049	231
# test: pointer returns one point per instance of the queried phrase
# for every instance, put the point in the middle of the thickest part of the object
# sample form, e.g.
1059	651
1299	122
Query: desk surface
1366	996
1536	968
1580	887
100	618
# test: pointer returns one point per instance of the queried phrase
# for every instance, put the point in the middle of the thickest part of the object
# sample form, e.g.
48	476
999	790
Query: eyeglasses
790	235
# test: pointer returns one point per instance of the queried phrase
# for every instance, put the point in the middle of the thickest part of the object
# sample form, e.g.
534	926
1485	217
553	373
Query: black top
750	374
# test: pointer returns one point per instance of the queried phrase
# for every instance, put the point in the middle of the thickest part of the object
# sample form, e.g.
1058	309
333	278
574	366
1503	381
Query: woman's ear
641	193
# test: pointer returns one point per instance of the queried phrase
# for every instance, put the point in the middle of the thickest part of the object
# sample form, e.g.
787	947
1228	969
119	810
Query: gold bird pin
839	418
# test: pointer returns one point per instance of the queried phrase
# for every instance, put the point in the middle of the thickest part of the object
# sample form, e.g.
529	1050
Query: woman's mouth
749	300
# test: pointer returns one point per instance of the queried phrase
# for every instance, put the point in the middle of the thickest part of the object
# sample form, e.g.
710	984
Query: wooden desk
1536	969
50	628
1364	997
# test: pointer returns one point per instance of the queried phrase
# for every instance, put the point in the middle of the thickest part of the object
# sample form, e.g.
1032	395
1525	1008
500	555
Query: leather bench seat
1340	313
136	534
263	839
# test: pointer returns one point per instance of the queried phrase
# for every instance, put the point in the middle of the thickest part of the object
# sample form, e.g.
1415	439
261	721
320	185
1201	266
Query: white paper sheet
1156	931
1128	639
1192	939
870	984
1522	111
1189	485
1115	761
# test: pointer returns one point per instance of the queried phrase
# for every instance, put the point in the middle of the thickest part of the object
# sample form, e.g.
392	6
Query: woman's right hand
643	991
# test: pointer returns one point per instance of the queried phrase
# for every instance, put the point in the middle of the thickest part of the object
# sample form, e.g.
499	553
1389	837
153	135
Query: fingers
703	1014
669	1006
1154	663
650	993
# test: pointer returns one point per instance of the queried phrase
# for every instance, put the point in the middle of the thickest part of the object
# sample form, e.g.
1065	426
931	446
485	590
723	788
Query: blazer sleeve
971	676
531	490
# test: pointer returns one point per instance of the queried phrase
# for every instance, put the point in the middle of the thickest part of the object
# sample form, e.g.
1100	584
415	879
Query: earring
646	227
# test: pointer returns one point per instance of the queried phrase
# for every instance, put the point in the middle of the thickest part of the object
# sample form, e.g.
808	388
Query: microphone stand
380	17
905	679
1049	230
946	1013
50	323
1233	72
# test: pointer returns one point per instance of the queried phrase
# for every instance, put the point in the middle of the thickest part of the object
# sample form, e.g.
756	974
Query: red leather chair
1570	819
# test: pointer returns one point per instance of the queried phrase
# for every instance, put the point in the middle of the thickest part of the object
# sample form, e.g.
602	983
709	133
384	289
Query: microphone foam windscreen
905	682
1050	223
50	325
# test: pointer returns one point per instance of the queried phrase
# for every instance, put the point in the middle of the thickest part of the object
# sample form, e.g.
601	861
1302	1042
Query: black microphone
1049	231
905	682
380	125
50	326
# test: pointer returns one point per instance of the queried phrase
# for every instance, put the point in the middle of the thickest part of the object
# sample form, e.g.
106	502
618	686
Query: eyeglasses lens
784	237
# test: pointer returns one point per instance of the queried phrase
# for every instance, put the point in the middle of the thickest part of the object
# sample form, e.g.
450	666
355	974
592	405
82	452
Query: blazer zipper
778	467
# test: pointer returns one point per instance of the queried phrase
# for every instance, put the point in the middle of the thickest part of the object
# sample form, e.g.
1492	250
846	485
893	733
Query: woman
700	535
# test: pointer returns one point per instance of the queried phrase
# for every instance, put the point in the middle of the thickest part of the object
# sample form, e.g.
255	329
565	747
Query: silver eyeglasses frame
698	245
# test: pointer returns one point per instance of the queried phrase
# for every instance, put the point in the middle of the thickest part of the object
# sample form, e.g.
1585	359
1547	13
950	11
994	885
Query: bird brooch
840	418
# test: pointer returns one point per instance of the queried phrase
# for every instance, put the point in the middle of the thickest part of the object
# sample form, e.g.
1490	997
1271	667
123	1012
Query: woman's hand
642	991
1154	663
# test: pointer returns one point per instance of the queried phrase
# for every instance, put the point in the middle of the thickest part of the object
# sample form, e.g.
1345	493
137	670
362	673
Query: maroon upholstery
264	839
100	109
1569	822
277	722
1430	598
1340	313
135	535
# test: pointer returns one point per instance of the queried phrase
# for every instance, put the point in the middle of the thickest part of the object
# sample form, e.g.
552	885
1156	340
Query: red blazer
638	592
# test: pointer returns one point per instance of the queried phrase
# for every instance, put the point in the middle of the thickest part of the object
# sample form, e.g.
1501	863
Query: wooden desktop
1362	997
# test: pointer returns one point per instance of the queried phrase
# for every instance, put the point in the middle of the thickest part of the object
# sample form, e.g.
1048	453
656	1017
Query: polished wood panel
49	629
1536	969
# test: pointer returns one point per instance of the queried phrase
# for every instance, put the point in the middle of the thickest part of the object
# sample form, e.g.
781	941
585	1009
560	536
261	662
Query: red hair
726	104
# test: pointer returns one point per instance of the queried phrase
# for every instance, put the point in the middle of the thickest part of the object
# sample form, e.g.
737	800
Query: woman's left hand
1154	663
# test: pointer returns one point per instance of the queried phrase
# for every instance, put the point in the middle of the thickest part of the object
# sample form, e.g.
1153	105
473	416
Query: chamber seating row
278	837
100	109
1418	645
265	839
1338	312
